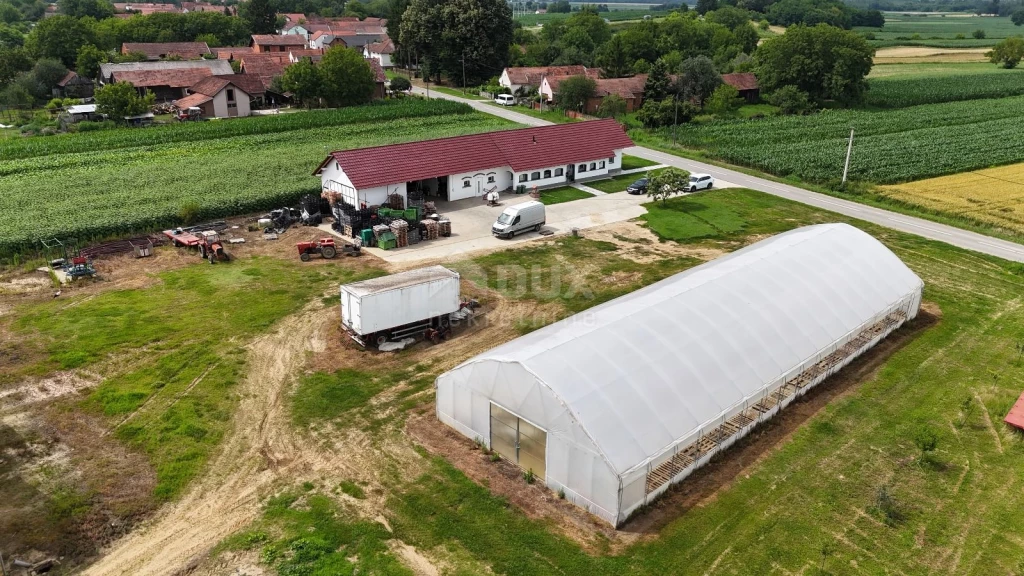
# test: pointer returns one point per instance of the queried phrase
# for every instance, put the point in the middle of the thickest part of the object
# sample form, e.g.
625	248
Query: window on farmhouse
523	178
559	172
602	164
465	183
611	160
582	168
593	165
490	179
231	95
535	176
547	173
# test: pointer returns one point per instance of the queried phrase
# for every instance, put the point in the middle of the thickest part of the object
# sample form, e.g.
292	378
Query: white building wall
479	183
333	178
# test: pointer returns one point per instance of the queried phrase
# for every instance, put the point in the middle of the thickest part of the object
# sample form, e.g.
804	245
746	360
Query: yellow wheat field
993	196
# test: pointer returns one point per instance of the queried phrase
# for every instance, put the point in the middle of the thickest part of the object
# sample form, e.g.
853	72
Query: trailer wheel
304	256
328	252
381	339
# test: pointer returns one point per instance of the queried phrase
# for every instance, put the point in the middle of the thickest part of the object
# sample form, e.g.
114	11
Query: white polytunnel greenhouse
615	404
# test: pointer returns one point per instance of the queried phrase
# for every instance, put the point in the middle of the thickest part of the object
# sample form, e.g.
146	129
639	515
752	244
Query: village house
631	90
162	50
74	86
380	51
167	80
471	166
219	97
270	43
745	83
526	78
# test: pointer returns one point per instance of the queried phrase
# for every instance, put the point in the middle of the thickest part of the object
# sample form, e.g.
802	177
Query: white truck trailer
399	305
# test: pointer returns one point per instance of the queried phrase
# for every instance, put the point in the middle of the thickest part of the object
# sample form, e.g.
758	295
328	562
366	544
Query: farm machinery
210	246
325	247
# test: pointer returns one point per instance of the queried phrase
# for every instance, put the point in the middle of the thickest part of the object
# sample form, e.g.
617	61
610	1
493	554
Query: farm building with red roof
471	166
745	83
222	96
161	50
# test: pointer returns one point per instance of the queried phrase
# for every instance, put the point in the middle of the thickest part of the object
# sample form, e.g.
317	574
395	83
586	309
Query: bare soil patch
925	54
505	479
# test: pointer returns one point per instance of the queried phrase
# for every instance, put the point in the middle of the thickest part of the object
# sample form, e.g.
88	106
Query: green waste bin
367	237
387	241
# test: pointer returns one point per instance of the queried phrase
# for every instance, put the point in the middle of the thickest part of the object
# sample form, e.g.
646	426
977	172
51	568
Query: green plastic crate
366	236
412	213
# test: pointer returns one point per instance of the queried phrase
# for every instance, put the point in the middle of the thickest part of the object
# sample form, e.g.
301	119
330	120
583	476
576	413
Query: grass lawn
471	93
562	194
850	481
619	183
750	110
634	162
556	116
180	345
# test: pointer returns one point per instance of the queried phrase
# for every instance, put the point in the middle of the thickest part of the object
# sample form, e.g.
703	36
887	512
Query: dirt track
259	450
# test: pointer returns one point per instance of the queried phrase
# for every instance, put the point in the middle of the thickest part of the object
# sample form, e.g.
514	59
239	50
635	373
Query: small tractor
192	114
325	247
210	247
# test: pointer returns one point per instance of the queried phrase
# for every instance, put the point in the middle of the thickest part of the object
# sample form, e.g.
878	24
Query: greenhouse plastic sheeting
626	382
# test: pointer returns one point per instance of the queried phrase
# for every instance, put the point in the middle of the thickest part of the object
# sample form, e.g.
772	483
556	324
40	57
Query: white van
519	218
505	99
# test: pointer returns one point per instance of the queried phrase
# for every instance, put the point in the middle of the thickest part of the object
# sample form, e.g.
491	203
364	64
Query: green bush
978	34
790	100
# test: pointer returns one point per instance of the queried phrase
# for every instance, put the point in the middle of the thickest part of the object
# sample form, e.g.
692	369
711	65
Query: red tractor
210	246
324	247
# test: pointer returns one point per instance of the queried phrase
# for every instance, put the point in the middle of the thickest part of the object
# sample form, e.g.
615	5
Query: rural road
909	224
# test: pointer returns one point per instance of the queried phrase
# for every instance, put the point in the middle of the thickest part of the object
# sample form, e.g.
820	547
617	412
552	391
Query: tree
724	100
400	84
260	16
978	34
574	91
613	60
823	61
667	182
705	6
9	13
12	62
395	11
59	37
699	79
729	16
89	59
45	74
11	37
348	79
790	100
612	106
98	9
1008	53
656	87
121	99
1017	17
450	36
926	441
304	80
16	96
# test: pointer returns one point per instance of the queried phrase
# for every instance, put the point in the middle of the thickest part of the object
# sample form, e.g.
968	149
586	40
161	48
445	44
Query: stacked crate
430	229
401	230
444	227
380	229
396	201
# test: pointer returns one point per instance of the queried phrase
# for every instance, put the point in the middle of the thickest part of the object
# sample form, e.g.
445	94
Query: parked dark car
638	187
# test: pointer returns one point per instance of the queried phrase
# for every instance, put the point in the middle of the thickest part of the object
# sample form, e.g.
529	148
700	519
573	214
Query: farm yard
348	470
116	182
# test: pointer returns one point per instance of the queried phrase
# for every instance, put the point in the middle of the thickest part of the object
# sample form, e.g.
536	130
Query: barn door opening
518	441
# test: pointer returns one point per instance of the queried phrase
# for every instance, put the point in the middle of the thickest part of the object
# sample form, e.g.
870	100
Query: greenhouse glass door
518	440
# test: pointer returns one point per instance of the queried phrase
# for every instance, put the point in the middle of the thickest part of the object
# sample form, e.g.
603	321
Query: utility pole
463	72
849	149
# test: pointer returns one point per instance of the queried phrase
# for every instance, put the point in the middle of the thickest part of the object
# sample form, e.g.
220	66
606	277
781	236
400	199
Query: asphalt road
896	221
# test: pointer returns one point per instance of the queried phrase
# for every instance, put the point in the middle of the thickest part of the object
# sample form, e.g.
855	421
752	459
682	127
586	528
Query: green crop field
934	83
615	15
949	31
100	184
890	146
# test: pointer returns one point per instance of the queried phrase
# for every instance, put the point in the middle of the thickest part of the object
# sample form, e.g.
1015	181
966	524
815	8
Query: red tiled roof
278	39
145	7
71	75
175	78
378	72
741	80
266	67
157	50
624	87
192	100
385	46
533	75
232	52
293	18
522	149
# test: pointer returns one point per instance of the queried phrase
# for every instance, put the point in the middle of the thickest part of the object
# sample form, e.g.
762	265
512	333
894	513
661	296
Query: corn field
903	92
121	190
890	146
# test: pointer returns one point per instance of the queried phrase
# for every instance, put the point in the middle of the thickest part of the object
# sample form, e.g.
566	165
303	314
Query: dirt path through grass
261	449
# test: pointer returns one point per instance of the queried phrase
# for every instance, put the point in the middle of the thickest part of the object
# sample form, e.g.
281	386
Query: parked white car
700	182
505	100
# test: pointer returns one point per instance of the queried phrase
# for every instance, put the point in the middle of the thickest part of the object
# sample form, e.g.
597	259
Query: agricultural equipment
324	247
80	267
190	114
210	247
